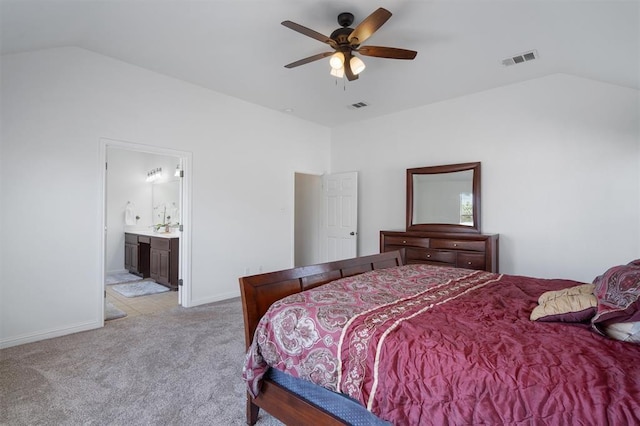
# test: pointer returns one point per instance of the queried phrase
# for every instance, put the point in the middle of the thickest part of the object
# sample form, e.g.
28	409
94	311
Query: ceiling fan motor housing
341	36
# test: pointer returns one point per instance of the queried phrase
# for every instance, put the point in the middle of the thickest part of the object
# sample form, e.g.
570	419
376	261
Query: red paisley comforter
428	345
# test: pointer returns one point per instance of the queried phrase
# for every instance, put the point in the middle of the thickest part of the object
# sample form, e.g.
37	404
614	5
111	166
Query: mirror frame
445	227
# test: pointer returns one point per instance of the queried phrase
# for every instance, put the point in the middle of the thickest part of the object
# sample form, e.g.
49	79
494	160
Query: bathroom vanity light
154	174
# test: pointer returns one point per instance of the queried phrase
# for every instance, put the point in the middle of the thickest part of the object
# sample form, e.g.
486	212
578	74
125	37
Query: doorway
325	218
307	208
135	204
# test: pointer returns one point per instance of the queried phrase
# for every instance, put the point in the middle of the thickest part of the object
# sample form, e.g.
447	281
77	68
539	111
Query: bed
421	344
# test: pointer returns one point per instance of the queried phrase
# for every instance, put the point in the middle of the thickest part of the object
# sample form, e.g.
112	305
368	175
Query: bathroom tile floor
143	304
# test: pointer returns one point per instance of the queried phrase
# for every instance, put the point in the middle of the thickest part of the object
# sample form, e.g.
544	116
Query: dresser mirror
444	198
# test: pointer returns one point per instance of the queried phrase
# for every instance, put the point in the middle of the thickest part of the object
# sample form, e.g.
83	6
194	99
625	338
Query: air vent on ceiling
523	57
358	105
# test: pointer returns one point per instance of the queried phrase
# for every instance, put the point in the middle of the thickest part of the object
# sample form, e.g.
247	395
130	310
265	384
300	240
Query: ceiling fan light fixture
337	60
337	72
357	66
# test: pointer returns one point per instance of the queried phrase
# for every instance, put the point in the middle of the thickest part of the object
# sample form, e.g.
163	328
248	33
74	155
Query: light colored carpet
178	367
140	288
120	277
111	312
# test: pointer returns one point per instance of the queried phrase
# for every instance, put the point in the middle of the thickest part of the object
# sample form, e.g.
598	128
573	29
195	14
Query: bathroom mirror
444	198
166	202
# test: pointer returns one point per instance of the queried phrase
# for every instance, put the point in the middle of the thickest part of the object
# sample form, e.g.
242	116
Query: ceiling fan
346	41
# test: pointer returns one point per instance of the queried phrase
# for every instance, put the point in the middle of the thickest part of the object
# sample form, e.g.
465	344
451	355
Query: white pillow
624	331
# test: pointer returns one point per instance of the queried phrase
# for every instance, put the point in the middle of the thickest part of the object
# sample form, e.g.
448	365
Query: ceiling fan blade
387	52
369	26
309	33
309	59
347	67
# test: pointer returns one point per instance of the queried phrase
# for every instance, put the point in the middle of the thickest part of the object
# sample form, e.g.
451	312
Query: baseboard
118	271
48	334
216	298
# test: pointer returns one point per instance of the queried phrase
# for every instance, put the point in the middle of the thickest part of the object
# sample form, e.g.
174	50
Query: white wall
560	171
56	106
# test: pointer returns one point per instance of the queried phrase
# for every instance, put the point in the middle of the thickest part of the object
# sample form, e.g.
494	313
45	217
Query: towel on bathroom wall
129	214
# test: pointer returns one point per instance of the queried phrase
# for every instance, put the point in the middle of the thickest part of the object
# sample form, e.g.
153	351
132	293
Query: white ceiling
239	48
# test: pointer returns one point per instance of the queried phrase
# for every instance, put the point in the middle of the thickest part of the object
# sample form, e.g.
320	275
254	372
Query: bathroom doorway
146	192
306	219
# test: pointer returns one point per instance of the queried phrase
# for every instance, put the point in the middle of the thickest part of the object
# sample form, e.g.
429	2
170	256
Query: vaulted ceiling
239	48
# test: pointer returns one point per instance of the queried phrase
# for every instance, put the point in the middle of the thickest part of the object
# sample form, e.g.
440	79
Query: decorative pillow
618	294
571	291
624	331
573	304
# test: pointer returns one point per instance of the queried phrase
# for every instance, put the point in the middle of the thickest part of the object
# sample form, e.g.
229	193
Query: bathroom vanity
154	255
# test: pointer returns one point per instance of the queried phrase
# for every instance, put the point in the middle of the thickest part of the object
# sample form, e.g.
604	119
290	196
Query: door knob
352	233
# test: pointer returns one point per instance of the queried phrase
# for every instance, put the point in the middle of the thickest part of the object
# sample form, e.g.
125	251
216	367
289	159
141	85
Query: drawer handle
428	255
455	244
404	242
468	263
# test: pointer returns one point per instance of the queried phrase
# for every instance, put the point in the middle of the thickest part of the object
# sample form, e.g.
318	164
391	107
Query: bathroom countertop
151	233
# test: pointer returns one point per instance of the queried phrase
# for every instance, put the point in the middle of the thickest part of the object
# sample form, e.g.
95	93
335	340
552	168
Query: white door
340	216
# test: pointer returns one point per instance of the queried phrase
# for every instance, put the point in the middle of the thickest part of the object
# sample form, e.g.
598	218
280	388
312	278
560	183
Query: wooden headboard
260	291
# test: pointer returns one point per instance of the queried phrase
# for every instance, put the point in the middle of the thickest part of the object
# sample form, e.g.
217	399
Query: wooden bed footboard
260	291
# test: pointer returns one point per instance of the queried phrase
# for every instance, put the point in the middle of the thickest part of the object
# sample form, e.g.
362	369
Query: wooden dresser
459	250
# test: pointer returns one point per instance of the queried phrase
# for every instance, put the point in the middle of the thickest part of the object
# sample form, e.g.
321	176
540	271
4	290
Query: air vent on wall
358	105
523	57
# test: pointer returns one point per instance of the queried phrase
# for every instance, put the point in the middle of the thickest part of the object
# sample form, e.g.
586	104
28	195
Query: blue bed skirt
348	410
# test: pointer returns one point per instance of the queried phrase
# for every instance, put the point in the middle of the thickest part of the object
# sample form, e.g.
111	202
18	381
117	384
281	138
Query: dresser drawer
471	261
439	256
457	245
406	241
